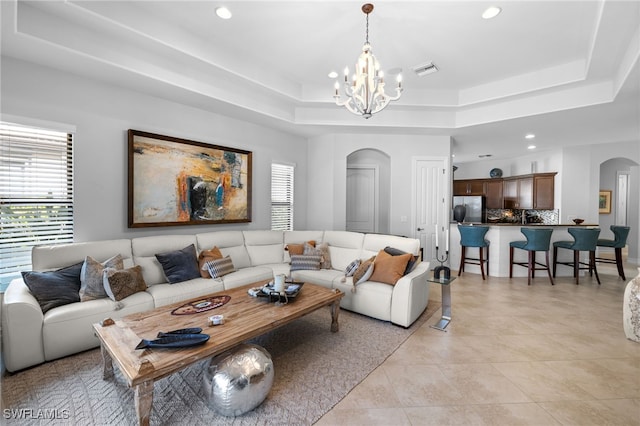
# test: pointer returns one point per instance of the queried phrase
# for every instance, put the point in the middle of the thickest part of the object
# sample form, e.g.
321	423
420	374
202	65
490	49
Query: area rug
314	370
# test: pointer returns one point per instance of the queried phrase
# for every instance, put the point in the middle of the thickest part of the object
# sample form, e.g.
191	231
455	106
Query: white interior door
431	192
362	199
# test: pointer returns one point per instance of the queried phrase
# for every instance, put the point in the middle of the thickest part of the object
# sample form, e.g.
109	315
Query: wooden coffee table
245	317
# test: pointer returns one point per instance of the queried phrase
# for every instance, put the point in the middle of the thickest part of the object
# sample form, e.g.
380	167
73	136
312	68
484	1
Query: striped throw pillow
220	267
301	262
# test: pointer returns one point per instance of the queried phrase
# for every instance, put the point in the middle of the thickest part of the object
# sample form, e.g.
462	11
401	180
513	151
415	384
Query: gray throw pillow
54	288
305	262
180	265
92	286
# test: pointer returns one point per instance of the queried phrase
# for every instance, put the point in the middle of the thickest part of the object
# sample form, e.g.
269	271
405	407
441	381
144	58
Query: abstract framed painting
176	182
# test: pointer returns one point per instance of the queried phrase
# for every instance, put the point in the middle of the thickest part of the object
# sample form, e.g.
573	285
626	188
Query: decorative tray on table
291	291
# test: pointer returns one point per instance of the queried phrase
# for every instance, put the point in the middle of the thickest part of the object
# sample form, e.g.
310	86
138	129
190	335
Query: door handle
420	229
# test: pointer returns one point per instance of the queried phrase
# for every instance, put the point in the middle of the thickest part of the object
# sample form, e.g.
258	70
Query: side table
446	302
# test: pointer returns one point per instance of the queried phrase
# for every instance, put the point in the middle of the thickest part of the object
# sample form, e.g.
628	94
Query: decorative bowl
578	221
495	173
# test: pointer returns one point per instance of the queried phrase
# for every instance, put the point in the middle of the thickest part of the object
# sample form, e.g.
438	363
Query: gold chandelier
365	93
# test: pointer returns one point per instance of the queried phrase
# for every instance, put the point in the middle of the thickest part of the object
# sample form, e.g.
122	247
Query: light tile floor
512	355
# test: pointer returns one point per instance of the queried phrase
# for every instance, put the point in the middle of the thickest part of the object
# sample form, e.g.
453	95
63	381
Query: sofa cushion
121	283
166	294
220	267
54	288
373	243
305	262
389	269
344	246
264	247
323	277
56	256
180	265
246	276
204	257
91	281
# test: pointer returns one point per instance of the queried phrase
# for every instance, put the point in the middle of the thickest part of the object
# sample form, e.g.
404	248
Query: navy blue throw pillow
180	265
54	288
396	252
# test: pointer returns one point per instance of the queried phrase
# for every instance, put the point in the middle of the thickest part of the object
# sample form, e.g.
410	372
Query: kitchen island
500	235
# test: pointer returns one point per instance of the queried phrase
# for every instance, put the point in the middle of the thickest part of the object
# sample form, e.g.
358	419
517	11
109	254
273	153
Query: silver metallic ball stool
238	380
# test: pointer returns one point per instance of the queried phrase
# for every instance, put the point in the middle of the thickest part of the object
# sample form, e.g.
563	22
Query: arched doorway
620	176
368	191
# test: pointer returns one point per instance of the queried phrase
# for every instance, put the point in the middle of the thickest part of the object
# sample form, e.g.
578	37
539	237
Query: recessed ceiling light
491	12
531	147
333	74
223	13
529	136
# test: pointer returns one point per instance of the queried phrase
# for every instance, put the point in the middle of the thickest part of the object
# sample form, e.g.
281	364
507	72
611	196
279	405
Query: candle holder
444	270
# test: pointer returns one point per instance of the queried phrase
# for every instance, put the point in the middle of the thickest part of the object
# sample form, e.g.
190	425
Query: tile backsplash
547	217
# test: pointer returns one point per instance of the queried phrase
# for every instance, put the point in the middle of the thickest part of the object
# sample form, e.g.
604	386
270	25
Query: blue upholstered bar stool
620	234
473	236
538	239
584	239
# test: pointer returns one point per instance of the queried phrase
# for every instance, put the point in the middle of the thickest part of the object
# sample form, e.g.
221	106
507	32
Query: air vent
425	69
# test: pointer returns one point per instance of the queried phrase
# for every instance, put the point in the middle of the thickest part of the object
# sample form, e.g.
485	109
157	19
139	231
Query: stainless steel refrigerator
475	207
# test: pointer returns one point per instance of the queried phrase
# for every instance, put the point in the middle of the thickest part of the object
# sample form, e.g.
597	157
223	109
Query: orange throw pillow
389	269
297	249
204	257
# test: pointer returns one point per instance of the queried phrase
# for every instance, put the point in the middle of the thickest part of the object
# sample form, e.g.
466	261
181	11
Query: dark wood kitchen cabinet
468	187
543	191
493	193
518	192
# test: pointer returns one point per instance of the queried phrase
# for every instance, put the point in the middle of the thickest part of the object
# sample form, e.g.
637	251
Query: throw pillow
220	267
180	265
389	269
352	268
326	256
305	262
91	286
298	248
364	271
397	252
121	283
54	288
204	257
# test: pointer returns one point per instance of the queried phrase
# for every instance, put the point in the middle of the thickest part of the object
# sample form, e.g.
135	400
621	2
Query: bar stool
620	234
538	239
473	236
584	239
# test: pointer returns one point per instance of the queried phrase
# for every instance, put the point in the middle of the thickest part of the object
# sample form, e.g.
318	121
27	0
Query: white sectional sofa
30	337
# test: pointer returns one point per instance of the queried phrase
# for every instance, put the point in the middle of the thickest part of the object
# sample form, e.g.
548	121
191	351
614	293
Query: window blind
36	194
281	197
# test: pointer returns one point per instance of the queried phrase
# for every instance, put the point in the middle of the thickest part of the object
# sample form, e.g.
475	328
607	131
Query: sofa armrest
410	296
22	320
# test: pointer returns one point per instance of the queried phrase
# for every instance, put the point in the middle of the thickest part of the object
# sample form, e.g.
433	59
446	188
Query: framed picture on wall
604	202
176	181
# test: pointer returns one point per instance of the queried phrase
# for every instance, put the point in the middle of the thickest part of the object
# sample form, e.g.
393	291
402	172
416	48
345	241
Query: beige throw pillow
91	280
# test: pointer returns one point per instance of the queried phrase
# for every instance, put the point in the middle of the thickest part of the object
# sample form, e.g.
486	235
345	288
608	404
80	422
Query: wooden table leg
335	311
107	364
143	396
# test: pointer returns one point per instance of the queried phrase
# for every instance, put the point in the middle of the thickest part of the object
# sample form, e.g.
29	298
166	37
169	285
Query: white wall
327	161
102	114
